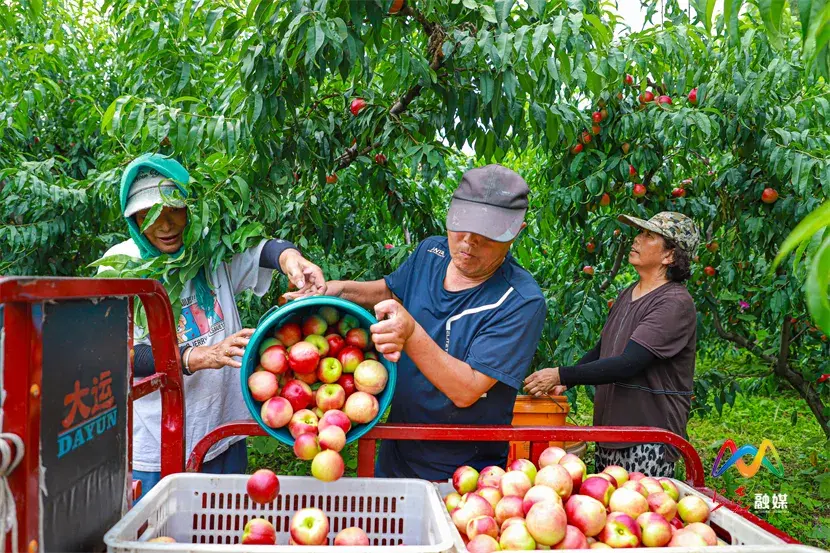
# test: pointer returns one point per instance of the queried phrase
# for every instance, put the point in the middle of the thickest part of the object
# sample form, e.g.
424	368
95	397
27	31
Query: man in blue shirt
462	319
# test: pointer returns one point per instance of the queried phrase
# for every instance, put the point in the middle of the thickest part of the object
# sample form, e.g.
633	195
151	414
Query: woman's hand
303	274
543	382
221	354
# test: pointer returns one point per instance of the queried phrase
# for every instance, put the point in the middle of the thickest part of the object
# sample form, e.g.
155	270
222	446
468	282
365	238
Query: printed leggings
650	459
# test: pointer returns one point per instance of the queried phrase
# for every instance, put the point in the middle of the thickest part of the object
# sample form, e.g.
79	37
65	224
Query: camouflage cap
675	226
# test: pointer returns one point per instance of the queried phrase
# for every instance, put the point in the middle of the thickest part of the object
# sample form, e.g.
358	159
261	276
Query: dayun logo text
91	412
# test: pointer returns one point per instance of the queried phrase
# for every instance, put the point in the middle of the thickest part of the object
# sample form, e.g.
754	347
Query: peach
332	437
276	412
370	376
361	407
586	513
263	385
628	502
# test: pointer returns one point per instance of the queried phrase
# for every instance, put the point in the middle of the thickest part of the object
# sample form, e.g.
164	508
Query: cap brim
496	223
641	224
147	199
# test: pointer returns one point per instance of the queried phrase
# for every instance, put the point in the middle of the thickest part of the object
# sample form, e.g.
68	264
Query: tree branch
784	351
412	12
734	337
320	101
780	364
615	268
437	35
794	378
405	100
661	90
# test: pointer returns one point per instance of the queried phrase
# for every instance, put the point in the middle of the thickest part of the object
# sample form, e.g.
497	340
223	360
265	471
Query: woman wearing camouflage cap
643	365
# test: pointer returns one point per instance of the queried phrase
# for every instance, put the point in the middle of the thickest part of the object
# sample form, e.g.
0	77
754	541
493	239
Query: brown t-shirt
664	321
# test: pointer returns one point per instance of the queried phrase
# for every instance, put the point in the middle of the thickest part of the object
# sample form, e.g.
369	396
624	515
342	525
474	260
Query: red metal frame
22	376
22	358
539	436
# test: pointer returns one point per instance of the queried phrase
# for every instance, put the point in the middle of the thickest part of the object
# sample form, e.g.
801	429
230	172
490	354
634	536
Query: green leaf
244	191
183	99
231	28
538	6
117	261
185	77
771	11
601	33
811	224
257	106
731	9
538	39
107	118
504	45
822	35
487	87
818	280
36	7
488	13
503	8
701	11
315	39
154	213
552	128
252	6
805	12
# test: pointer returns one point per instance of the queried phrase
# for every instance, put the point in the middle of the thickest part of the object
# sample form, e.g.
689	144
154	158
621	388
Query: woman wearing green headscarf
210	334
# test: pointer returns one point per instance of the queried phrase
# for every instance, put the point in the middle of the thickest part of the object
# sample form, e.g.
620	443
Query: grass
784	419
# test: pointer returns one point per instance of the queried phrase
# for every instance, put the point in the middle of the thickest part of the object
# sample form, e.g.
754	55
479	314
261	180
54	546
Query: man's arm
366	294
397	331
456	379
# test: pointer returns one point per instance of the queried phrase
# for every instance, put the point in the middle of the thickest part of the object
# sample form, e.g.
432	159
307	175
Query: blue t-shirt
494	327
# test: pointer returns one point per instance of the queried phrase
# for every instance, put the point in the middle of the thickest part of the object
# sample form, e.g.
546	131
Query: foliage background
254	99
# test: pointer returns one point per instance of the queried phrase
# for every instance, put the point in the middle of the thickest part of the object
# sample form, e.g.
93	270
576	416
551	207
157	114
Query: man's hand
544	382
394	328
302	273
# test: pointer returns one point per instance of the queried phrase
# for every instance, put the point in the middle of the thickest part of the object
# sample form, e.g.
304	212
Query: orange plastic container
533	411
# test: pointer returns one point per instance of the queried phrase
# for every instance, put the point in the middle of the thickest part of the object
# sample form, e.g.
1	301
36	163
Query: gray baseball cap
672	225
148	189
490	201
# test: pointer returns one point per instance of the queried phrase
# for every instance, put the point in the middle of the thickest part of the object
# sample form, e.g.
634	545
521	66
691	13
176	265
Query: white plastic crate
207	513
741	534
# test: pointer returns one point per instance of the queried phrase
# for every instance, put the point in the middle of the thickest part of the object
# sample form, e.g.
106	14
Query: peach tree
729	130
339	124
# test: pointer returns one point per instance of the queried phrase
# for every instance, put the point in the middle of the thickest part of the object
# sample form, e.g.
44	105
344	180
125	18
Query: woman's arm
218	355
143	363
634	359
591	355
269	258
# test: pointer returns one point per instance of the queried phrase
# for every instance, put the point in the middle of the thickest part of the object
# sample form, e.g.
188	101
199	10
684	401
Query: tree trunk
780	364
803	387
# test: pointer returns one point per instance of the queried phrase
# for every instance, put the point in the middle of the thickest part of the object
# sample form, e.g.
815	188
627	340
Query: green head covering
174	171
